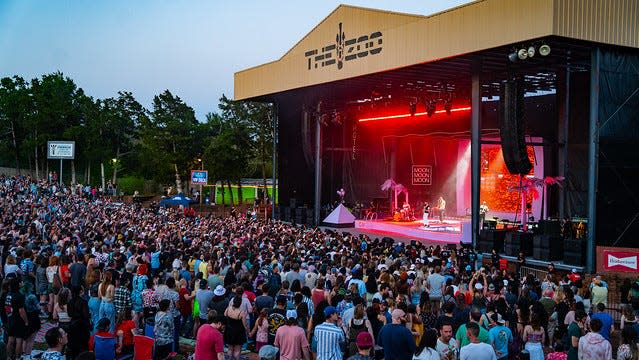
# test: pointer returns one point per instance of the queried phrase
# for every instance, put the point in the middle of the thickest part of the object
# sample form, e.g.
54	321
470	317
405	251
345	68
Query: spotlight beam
401	116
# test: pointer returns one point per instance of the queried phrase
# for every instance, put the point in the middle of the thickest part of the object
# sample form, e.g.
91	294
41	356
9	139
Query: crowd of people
98	270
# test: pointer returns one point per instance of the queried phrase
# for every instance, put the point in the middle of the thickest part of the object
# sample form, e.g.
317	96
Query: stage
450	231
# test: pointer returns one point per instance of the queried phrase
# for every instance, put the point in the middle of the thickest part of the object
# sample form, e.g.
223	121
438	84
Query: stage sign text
422	174
344	50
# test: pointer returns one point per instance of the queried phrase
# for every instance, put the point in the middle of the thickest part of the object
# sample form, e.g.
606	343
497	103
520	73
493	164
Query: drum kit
404	214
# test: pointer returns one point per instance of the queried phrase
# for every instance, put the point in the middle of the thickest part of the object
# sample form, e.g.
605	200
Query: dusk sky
191	48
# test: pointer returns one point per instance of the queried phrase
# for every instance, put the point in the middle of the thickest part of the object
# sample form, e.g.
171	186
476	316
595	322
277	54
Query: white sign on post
61	150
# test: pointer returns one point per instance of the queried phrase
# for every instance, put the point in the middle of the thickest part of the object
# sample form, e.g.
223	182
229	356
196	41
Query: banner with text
618	259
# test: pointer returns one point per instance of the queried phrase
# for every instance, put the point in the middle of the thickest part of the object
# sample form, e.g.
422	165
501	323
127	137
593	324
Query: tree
256	121
167	138
15	107
57	101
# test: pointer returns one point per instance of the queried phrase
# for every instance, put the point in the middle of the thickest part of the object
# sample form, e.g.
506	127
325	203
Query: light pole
115	172
201	161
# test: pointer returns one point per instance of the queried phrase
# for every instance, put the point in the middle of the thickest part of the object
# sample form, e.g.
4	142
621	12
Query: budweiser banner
618	259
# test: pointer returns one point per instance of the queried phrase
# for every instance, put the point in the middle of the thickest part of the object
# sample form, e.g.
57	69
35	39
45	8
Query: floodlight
544	50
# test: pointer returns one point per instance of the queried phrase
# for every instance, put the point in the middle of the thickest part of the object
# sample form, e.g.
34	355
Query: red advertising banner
618	259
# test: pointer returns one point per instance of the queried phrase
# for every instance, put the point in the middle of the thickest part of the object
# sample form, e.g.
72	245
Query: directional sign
60	149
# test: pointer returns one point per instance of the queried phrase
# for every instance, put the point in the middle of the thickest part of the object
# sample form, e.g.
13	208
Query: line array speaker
512	126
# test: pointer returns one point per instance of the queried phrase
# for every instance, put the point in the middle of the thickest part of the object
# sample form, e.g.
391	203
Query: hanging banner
618	259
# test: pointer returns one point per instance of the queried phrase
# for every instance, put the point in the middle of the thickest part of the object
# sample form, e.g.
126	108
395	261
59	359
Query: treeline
117	136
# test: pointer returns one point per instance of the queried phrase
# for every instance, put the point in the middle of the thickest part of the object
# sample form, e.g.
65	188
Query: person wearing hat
500	336
330	336
396	339
364	343
291	339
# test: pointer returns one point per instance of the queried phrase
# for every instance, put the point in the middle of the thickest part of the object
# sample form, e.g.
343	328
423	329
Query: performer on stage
441	206
426	212
483	210
406	212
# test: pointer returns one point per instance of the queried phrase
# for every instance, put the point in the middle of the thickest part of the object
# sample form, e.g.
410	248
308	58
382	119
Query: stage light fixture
430	109
324	119
512	56
531	51
403	116
448	106
544	50
522	54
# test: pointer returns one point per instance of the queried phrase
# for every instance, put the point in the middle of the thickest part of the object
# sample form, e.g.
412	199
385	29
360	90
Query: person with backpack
274	282
355	326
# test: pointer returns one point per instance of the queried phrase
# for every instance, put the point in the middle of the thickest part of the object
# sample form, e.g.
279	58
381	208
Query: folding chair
142	347
104	348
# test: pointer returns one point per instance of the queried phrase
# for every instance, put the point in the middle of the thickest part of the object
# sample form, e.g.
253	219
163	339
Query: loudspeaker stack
489	239
518	241
574	251
512	127
548	247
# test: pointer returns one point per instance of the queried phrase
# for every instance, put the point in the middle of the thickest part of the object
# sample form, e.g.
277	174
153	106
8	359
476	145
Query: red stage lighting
400	116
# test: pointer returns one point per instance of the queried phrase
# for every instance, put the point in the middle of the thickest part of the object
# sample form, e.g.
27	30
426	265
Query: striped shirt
329	336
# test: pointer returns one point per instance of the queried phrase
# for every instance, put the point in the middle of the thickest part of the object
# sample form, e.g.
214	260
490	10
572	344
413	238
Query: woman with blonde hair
10	266
415	291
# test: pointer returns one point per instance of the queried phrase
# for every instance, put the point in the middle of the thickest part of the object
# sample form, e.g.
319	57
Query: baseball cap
574	270
330	310
291	314
479	286
397	314
364	340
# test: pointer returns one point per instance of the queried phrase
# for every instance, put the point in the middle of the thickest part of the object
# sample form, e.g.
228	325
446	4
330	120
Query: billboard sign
61	150
199	177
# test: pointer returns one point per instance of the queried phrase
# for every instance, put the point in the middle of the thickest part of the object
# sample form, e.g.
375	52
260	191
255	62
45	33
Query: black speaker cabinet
547	247
574	251
512	127
518	241
489	239
549	227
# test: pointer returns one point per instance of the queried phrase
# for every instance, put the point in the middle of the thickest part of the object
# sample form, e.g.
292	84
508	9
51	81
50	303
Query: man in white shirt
446	345
476	350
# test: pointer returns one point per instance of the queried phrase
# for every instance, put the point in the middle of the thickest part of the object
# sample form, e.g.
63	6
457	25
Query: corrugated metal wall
409	40
614	22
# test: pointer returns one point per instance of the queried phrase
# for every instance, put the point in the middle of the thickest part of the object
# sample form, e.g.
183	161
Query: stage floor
449	231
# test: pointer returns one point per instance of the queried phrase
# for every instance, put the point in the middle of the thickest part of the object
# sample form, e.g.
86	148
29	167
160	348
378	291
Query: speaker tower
512	127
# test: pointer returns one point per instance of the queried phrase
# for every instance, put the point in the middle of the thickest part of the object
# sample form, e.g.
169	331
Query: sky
192	48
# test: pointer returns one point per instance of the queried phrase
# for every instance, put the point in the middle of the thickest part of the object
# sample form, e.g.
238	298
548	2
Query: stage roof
379	50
